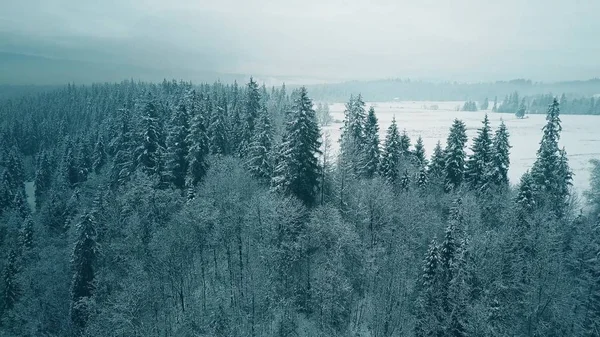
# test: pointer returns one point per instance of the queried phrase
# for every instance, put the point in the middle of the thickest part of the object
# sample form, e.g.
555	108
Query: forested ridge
220	210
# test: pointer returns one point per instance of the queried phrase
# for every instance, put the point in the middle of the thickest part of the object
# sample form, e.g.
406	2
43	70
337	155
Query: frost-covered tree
593	193
485	105
217	130
297	170
454	155
419	153
198	151
83	262
12	290
252	110
123	147
391	155
178	146
437	164
43	177
526	197
429	304
148	153
99	157
500	161
405	144
521	111
259	161
372	151
479	160
353	139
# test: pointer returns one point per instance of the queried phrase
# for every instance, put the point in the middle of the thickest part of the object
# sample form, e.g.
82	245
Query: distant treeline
537	104
406	89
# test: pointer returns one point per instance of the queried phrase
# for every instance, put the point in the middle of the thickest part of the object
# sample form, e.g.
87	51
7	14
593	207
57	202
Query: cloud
331	39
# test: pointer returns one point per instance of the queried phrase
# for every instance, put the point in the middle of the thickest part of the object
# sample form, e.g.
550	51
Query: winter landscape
299	168
580	135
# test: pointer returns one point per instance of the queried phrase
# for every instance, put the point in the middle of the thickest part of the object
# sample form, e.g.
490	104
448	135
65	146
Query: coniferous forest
172	209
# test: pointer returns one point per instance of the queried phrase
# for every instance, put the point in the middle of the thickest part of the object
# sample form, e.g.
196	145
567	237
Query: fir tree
419	153
454	155
27	234
353	138
178	146
436	166
480	159
198	151
429	313
526	197
122	146
99	157
500	161
217	131
485	105
405	181
422	178
252	109
405	144
521	111
259	154
390	158
495	106
43	178
71	171
148	154
372	151
83	261
549	170
12	290
297	172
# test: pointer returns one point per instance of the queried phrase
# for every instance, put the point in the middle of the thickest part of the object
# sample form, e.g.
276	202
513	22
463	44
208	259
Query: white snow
580	135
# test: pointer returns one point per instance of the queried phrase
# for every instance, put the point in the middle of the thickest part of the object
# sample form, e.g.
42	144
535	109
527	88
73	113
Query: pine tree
12	290
437	163
405	144
259	154
405	181
390	158
99	158
419	153
352	138
372	151
422	178
27	234
148	154
252	109
43	178
297	172
429	313
454	155
480	159
500	161
549	170
198	151
178	146
526	197
217	130
83	261
122	146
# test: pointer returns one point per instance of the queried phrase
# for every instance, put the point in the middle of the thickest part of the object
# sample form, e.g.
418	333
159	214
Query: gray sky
462	40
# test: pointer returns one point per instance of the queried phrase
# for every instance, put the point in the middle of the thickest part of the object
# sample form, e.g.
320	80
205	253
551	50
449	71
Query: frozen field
580	135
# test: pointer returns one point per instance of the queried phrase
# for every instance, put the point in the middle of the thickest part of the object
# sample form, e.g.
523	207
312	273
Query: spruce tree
422	178
217	130
352	139
454	155
437	164
83	262
148	153
122	146
27	234
480	159
198	151
43	178
12	290
429	311
297	170
390	158
252	109
259	161
485	105
405	181
526	197
178	146
500	161
550	170
405	144
99	157
372	151
419	153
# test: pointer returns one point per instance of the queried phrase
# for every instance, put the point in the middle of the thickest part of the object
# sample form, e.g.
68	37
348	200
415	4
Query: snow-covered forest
174	209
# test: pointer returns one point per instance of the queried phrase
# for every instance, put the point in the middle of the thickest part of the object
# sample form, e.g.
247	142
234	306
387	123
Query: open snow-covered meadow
580	135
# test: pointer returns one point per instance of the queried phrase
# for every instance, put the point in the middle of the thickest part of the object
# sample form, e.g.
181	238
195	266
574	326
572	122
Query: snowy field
580	135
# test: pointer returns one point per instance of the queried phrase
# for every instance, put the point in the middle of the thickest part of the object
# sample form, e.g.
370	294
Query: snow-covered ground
580	135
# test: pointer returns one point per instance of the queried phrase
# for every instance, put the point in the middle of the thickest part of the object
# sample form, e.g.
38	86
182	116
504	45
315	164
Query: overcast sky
462	40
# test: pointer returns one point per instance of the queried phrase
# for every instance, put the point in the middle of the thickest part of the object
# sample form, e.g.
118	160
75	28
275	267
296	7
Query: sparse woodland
220	210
